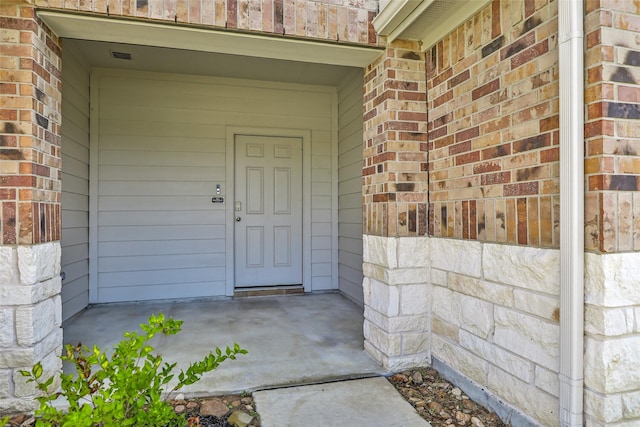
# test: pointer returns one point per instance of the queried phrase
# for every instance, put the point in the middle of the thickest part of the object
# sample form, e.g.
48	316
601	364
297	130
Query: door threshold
261	291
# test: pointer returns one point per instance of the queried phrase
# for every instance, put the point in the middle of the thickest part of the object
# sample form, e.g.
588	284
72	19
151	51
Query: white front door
268	210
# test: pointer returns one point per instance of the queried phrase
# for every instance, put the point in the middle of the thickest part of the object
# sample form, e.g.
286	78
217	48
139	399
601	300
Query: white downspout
571	84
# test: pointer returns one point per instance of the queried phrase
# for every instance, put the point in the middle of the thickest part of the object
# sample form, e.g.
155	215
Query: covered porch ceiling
195	50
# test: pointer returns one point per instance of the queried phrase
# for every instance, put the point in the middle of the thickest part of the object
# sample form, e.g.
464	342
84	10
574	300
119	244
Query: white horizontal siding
350	187
75	184
162	149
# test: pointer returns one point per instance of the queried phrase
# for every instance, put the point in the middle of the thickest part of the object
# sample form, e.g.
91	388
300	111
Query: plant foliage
128	388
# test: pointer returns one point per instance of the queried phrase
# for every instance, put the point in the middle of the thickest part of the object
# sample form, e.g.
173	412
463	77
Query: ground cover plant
130	387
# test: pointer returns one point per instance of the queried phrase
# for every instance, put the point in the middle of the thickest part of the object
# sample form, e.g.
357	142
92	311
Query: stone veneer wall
488	311
30	308
612	213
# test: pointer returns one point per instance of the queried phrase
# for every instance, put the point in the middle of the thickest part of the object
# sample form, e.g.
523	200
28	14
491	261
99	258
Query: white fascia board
179	36
451	22
393	14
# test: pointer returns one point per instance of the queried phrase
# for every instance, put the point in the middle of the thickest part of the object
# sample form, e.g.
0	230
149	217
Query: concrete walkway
292	341
371	402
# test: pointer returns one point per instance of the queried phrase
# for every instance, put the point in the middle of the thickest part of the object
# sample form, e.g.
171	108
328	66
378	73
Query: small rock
179	396
456	392
461	417
192	405
215	407
235	403
417	377
434	407
246	400
239	419
400	378
476	422
179	409
29	422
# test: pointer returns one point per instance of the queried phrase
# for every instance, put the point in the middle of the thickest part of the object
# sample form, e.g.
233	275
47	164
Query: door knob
238	219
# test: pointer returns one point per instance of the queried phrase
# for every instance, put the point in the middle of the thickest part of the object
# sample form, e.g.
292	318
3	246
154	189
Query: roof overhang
426	21
189	37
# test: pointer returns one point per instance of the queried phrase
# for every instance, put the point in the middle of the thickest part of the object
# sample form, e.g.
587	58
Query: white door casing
268	210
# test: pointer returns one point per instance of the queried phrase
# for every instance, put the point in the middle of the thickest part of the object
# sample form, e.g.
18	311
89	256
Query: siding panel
350	187
162	150
75	184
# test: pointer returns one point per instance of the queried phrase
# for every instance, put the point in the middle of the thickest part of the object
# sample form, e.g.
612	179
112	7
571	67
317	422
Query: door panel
268	211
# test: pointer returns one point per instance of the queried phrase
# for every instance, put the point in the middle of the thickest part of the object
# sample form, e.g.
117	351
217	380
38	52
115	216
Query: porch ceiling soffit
426	21
176	36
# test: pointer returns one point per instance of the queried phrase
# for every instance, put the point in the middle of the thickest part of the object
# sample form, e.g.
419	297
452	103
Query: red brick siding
29	129
612	126
395	158
335	20
492	89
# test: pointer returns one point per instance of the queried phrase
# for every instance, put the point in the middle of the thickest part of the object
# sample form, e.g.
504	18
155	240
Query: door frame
229	193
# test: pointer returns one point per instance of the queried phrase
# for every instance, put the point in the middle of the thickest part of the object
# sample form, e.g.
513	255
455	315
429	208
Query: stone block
374	271
415	343
603	408
33	323
38	263
547	380
379	250
612	280
458	256
413	252
403	276
30	294
400	363
384	298
446	305
8	266
631	405
524	267
609	322
543	306
7	330
51	366
415	323
17	406
415	299
528	336
532	401
16	357
611	366
5	384
445	329
476	316
515	365
459	359
491	292
387	343
438	277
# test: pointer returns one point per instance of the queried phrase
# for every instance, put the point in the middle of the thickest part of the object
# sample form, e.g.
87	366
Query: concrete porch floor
291	340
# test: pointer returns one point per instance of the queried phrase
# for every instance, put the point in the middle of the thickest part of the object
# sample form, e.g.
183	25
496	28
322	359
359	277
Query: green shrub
125	389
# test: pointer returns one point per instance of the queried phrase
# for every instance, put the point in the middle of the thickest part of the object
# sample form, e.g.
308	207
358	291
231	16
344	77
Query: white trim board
190	37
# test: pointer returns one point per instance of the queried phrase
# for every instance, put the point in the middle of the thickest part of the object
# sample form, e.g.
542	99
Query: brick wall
337	20
30	87
493	127
395	158
612	128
